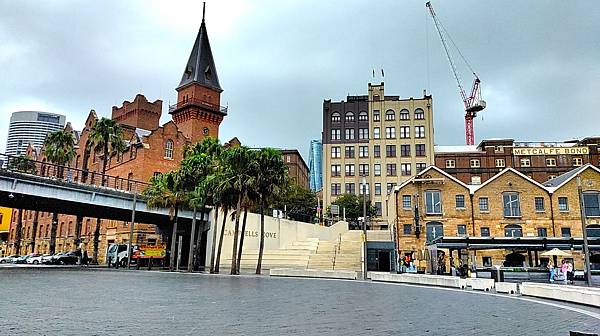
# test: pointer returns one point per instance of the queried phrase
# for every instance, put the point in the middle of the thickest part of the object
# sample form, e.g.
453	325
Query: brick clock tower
198	112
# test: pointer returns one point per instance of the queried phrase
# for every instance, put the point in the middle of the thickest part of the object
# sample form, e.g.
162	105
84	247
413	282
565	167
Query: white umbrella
556	252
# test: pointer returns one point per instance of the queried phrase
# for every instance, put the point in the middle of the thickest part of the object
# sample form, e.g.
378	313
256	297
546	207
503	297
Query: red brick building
297	168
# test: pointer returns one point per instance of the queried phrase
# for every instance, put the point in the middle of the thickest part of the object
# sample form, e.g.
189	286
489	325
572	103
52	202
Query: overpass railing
25	165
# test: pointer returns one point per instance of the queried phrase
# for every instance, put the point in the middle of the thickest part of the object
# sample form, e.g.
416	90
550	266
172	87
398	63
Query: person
563	269
551	269
570	273
84	259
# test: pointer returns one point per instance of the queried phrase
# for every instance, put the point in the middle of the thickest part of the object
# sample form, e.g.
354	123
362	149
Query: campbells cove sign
550	150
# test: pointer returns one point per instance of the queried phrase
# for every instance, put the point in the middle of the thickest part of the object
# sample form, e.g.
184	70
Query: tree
165	191
354	207
271	176
299	202
22	164
106	135
59	148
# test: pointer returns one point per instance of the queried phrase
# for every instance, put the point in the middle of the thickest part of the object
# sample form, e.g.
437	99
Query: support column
529	258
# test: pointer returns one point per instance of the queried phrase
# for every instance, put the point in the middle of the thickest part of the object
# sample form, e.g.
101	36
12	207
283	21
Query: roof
561	180
455	149
200	66
474	188
410	180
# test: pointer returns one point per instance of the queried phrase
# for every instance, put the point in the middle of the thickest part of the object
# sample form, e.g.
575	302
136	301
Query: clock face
206	130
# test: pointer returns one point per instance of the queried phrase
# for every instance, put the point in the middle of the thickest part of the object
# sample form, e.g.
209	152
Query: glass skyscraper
315	165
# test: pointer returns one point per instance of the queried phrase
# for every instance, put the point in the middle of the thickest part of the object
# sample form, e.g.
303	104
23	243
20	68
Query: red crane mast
473	102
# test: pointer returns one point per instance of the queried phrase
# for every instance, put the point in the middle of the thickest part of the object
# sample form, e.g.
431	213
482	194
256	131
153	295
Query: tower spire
203	10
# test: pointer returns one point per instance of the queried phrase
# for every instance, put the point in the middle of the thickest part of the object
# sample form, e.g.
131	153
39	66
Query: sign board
335	209
146	252
550	150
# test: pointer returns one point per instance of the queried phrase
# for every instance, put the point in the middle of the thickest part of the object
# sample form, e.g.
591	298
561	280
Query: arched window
434	230
390	115
404	114
60	229
593	230
363	116
349	116
513	230
336	117
169	149
419	114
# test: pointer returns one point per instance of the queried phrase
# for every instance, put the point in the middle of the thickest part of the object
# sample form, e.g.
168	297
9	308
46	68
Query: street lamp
586	251
365	263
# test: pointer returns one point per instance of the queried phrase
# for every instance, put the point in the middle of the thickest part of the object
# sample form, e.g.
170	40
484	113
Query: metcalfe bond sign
550	150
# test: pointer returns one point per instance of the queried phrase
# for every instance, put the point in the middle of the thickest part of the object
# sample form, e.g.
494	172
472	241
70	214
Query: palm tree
106	135
59	148
224	198
165	191
271	177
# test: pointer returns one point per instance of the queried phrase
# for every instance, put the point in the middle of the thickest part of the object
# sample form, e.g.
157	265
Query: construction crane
473	102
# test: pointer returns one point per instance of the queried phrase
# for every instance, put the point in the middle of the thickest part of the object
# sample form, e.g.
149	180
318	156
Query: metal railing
54	172
198	102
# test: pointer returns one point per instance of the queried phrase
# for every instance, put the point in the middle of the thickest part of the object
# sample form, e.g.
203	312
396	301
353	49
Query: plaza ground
72	301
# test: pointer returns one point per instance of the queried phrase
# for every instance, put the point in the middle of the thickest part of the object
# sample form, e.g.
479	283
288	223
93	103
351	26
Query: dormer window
207	73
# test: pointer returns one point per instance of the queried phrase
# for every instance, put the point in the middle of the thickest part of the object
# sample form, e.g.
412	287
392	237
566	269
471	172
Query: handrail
68	174
336	250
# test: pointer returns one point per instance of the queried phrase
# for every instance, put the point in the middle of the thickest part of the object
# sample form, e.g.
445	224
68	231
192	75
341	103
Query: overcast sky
539	62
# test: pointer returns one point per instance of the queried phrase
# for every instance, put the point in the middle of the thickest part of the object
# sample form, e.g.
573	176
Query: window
377	169
407	229
483	204
405	150
390	115
391	169
591	204
336	189
419	114
450	164
349	152
475	163
169	149
390	132
363	151
363	169
565	232
433	202
376	133
551	162
511	204
461	230
404	132
539	204
577	162
378	189
485	231
390	150
406	202
349	116
363	133
336	170
500	163
487	261
363	116
513	231
350	188
563	204
335	152
404	115
376	97
349	170
405	169
525	162
336	134
336	117
542	232
460	201
420	149
378	209
376	115
419	131
376	151
593	230
349	133
364	188
390	187
420	166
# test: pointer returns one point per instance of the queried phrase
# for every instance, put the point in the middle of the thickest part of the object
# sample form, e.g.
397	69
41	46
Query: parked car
9	259
47	259
21	260
38	259
68	258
